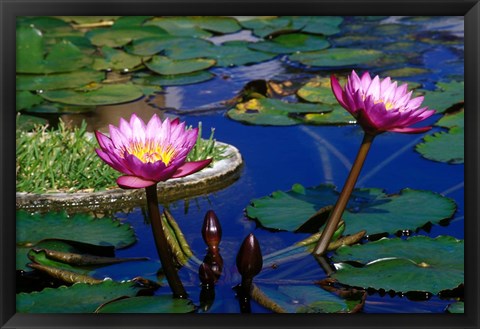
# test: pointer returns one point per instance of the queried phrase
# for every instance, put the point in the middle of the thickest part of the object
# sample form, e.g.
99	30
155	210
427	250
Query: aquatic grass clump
62	159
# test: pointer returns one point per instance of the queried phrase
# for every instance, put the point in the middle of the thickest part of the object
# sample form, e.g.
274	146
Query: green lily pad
79	298
337	116
130	21
120	36
308	299
148	304
104	231
458	307
273	112
196	26
87	19
28	122
446	146
368	209
232	53
173	80
266	26
58	81
115	59
405	72
337	57
291	43
318	90
166	66
61	57
416	264
58	108
167	44
26	99
105	95
444	96
32	229
45	23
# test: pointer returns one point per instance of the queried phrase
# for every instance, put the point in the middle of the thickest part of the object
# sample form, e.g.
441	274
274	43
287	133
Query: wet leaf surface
196	26
120	36
368	209
444	96
114	59
446	146
458	307
58	81
104	95
418	263
166	66
291	43
79	298
26	99
173	80
148	304
337	57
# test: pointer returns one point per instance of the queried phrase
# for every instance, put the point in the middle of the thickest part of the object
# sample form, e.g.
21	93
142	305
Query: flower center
388	105
151	151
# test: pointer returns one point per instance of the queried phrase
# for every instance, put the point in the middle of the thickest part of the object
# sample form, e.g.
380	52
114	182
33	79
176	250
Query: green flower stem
342	201
161	243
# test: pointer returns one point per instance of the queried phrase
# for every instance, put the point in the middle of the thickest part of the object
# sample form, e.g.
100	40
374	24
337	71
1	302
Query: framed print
223	164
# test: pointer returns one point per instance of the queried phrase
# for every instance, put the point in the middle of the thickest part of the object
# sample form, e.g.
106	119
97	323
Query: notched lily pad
100	95
58	81
148	304
291	43
196	26
337	57
26	99
458	307
418	263
115	59
444	96
79	298
120	36
309	299
368	209
33	57
173	80
446	146
166	66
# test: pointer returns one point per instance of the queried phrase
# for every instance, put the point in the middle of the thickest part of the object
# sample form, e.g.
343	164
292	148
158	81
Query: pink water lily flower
149	153
381	105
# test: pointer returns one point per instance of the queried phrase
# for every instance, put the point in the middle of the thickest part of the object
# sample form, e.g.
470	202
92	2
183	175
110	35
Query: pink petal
401	91
354	82
113	161
103	141
366	80
133	182
138	127
153	127
191	167
337	90
374	88
410	130
415	102
384	85
125	128
117	137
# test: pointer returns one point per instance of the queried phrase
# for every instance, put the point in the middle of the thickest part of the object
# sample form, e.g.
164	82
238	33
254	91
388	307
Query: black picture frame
12	8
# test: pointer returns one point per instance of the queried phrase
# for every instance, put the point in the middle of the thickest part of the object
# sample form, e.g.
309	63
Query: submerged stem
161	243
342	201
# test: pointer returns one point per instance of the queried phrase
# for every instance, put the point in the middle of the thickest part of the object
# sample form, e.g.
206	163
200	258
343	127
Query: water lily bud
249	258
211	230
206	275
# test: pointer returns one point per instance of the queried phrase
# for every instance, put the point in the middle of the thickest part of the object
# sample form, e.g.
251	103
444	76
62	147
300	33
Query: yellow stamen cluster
150	151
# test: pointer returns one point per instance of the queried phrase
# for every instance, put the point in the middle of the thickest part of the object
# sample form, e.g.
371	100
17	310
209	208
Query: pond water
277	157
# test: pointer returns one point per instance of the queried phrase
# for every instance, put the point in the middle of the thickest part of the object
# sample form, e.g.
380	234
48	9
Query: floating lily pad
368	209
120	36
196	26
168	44
26	100
148	304
274	112
61	57
33	228
79	298
173	80
87	19
130	21
458	307
104	231
57	81
58	108
416	264
115	59
445	95
446	146
308	299
337	57
291	43
45	23
318	90
232	53
28	122
405	72
104	95
166	66
266	26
